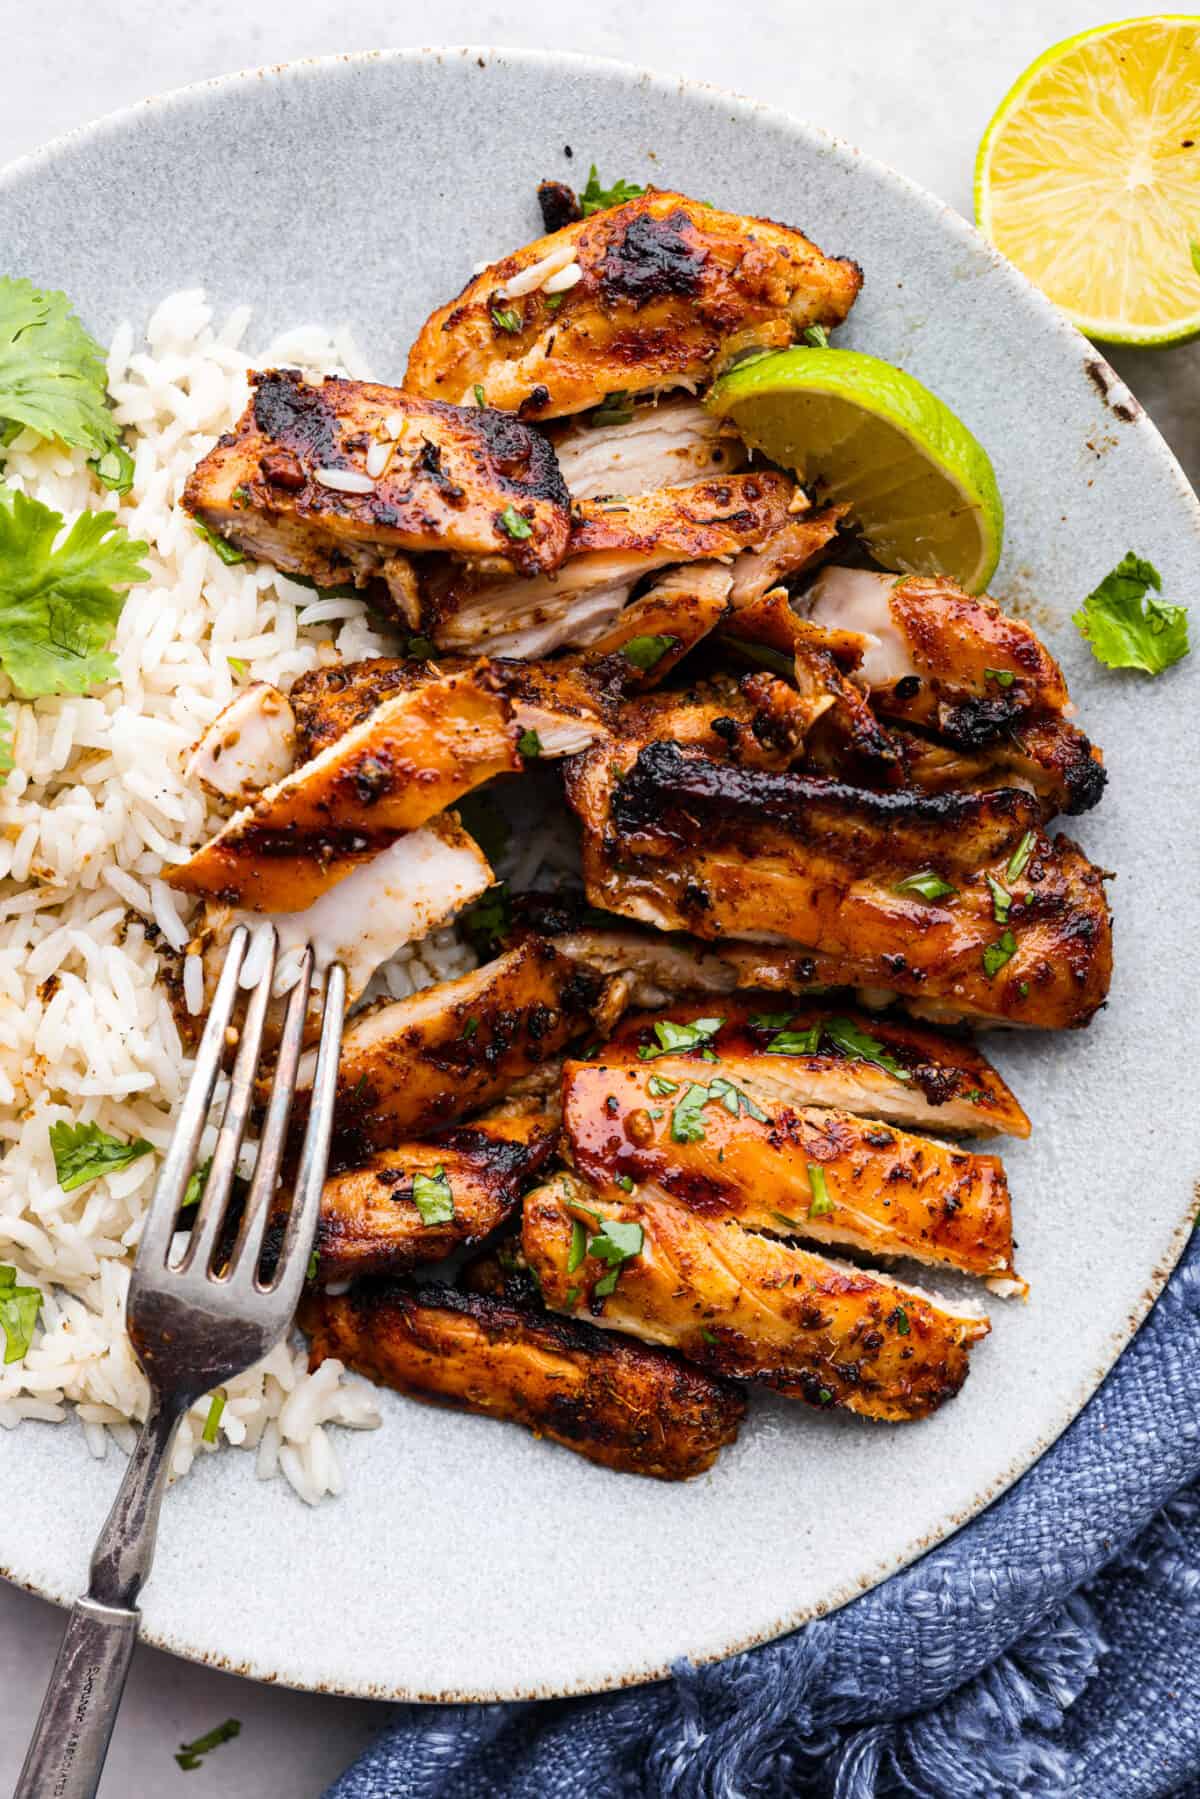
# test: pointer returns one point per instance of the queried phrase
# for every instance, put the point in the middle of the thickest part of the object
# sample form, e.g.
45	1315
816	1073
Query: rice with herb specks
95	806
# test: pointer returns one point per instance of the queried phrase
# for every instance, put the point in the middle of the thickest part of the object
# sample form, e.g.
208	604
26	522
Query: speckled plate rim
1115	397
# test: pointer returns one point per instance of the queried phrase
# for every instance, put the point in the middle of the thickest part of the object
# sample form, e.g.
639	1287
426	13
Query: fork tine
180	1158
243	1263
214	1201
314	1157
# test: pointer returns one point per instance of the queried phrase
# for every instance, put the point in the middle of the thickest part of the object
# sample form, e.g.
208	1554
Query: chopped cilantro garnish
114	469
660	1086
486	922
816	337
240	668
648	651
899	1321
616	1243
478	392
1003	677
83	1152
212	1422
189	1755
529	743
997	954
824	1395
420	648
228	552
514	524
795	1043
52	373
770	1021
845	1035
194	1190
595	197
570	1296
505	318
578	1246
672	1036
1019	859
1002	899
19	1308
469	1029
765	656
314	1262
432	1196
624	1181
927	883
821	1202
616	410
708	1336
783	1218
687	1125
1126	626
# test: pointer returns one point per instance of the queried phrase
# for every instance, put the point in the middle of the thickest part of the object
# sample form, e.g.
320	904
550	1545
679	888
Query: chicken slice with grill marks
1043	753
342	480
429	1061
419	1201
677	839
808	1054
613	546
410	758
630	1408
711	1138
746	1305
665	444
660	292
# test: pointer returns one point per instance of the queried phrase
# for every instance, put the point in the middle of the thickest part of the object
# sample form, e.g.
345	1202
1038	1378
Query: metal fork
193	1326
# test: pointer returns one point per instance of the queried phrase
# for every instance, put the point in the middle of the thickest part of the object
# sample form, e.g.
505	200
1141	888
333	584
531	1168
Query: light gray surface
871	80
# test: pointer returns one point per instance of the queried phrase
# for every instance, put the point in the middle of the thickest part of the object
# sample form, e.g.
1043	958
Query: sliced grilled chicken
662	445
670	618
661	292
249	745
629	1408
398	897
682	841
414	755
428	1061
789	551
416	1203
1044	753
938	656
804	1054
747	1305
613	545
703	1136
342	480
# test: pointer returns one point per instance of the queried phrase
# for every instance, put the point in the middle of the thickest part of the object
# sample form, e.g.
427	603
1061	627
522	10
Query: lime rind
939	470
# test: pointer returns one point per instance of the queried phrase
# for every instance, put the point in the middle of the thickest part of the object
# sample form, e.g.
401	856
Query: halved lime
1088	178
920	488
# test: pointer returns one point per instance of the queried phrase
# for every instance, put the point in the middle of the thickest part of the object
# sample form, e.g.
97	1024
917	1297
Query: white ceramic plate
466	1559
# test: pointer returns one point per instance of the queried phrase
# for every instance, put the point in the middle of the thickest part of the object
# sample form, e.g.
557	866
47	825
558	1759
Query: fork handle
70	1742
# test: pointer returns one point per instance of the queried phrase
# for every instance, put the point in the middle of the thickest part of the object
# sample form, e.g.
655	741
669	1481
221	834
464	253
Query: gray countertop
914	85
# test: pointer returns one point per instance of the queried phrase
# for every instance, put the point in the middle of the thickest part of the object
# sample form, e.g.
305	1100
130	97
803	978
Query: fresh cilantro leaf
734	1099
816	337
997	954
486	922
240	667
1019	859
114	469
845	1035
595	197
648	651
1002	899
432	1196
672	1036
708	1336
624	1181
514	524
764	656
19	1308
687	1126
578	1246
423	649
821	1202
795	1043
212	1422
770	1021
570	1296
660	1086
899	1322
314	1262
616	410
189	1755
83	1152
784	1219
617	1241
478	392
194	1190
220	546
1126	627
529	743
1003	677
59	603
52	375
506	318
929	885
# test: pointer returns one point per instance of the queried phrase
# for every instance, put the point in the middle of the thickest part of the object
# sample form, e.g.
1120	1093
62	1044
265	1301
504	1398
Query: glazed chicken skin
749	1306
468	1181
624	1406
657	293
342	480
700	1137
409	759
679	840
807	1054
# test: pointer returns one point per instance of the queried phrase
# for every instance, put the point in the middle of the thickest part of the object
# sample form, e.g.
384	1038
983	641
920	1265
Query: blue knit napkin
1050	1647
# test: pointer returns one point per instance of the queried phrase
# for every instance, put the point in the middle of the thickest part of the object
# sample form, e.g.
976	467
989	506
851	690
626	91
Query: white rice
94	807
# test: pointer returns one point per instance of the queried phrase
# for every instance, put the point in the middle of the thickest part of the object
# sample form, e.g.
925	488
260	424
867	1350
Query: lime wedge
920	488
1088	178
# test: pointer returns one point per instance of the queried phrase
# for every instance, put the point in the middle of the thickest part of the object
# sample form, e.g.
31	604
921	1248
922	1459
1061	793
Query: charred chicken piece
342	480
806	1054
613	545
1044	753
660	292
410	758
417	1202
710	1138
666	444
426	1062
627	1407
679	840
747	1305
